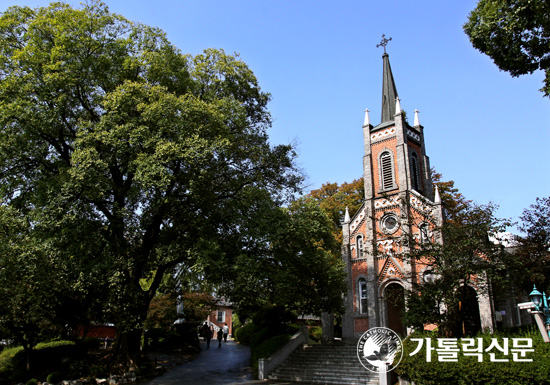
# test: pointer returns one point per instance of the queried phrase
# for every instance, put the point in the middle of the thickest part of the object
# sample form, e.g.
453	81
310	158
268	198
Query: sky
487	131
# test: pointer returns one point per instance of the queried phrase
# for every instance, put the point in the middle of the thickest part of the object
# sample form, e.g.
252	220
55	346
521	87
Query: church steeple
389	92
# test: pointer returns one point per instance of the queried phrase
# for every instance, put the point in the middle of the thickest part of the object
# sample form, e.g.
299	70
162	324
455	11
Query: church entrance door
395	300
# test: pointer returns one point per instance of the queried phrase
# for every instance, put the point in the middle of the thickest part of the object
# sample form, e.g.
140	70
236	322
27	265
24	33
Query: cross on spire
384	42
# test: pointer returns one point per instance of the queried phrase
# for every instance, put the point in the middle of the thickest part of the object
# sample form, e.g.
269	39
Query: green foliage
7	360
32	381
267	348
236	321
465	259
529	261
164	340
468	371
316	333
334	199
296	266
245	333
122	158
55	377
58	355
514	33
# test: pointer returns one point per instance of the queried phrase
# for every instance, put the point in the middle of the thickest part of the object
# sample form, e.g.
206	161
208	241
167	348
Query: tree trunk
127	345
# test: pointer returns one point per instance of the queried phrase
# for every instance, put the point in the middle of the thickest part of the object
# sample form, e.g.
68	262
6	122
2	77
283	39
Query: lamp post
540	310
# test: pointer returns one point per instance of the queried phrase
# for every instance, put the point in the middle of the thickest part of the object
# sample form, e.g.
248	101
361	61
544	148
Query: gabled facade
400	203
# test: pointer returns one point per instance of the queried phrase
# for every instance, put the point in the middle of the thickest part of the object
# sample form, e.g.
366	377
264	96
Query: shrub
245	333
316	333
267	348
55	378
468	371
32	381
260	336
164	340
47	356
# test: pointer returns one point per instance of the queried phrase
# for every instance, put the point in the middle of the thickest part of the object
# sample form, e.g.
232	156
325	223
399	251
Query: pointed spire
397	106
416	120
367	120
437	199
346	216
389	92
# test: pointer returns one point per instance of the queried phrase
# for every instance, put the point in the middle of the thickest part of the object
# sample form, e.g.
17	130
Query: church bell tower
400	205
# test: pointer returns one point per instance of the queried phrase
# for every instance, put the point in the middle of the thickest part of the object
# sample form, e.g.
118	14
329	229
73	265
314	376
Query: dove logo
380	350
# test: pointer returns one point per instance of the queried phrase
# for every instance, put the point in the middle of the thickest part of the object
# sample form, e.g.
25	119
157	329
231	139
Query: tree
528	263
297	266
335	199
130	157
515	34
36	299
451	198
468	258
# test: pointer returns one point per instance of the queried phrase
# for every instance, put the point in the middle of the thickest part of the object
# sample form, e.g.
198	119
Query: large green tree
528	262
130	156
295	264
515	34
468	259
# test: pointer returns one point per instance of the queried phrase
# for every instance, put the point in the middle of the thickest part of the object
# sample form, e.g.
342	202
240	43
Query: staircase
324	364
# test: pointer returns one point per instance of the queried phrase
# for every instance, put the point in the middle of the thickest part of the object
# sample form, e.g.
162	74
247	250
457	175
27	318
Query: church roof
389	92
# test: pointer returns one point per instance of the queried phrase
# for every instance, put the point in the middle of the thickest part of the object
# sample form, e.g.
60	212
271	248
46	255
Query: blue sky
485	130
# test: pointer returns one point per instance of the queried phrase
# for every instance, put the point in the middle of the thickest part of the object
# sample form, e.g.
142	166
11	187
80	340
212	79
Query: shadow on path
229	364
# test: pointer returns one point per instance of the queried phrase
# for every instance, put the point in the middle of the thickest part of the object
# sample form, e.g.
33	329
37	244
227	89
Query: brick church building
400	202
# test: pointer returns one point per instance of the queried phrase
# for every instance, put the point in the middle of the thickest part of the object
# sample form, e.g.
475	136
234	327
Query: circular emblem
380	350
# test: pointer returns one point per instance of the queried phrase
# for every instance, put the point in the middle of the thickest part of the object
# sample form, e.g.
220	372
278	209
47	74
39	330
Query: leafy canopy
130	157
515	34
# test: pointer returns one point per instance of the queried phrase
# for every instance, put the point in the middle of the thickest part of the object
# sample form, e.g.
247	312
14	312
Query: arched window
387	181
359	245
415	175
362	294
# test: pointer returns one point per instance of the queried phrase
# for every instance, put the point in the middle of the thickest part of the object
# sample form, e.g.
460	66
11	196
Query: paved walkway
229	364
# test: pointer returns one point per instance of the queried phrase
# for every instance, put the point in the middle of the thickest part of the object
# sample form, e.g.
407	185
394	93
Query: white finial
346	216
416	121
437	198
367	120
397	106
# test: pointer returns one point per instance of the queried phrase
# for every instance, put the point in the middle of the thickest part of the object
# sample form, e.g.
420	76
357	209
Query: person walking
220	336
207	336
225	332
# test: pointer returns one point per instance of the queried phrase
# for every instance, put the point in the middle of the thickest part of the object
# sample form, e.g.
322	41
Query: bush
316	333
468	371
46	356
245	333
55	378
165	340
32	381
267	348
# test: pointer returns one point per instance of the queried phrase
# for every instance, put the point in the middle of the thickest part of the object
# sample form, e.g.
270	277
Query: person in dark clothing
220	337
207	336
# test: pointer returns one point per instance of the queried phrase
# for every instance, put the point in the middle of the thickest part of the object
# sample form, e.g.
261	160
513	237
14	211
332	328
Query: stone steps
324	364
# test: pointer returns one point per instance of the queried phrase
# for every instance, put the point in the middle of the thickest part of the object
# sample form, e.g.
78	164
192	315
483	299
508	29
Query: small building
221	315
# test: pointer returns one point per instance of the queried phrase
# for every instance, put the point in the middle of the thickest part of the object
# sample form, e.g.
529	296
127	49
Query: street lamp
536	297
540	310
541	306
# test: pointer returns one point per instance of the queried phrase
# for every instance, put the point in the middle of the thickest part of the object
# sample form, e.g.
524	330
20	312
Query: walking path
229	364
